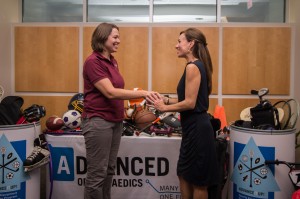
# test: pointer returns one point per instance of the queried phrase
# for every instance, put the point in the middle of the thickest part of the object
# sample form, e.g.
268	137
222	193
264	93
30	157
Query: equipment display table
146	167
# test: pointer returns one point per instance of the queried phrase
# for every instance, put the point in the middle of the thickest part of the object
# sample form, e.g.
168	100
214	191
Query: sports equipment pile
143	120
70	120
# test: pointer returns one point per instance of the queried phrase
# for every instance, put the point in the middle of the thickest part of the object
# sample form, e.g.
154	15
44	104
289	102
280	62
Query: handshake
157	101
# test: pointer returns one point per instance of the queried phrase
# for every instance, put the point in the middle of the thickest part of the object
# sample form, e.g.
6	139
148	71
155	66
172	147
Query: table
146	167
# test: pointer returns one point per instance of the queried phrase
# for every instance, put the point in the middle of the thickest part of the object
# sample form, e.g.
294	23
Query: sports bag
263	116
10	110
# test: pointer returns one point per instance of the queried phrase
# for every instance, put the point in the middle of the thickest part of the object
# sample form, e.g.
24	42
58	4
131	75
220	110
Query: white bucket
16	143
249	177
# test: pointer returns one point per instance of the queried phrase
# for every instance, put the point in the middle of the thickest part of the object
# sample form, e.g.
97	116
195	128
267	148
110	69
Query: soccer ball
72	119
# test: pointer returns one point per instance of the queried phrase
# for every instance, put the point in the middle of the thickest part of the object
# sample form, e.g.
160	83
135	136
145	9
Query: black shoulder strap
277	126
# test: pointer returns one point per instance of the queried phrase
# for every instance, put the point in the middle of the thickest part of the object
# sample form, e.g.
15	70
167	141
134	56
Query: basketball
144	118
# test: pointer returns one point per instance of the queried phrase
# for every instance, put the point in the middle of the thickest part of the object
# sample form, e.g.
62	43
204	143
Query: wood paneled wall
167	67
256	57
47	61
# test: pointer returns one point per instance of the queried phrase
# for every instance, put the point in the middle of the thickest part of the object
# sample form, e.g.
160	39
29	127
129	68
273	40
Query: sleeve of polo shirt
95	71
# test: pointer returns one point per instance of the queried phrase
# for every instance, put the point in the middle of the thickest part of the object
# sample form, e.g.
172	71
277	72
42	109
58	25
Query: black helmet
76	102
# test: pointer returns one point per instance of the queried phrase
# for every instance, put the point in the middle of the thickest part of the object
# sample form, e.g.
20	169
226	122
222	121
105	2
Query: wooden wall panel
167	68
256	57
54	105
212	104
132	55
87	38
46	59
233	107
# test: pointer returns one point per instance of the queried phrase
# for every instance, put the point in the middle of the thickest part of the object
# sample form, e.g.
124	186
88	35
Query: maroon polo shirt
96	68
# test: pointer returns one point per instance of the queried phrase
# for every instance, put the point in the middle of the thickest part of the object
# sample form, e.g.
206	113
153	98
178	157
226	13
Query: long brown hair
100	35
200	51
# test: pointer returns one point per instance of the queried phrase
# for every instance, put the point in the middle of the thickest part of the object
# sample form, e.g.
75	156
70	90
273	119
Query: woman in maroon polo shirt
103	110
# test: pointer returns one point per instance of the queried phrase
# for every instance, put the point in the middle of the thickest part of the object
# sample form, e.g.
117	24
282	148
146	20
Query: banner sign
146	167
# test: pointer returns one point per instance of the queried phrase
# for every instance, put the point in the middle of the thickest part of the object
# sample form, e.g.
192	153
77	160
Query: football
144	118
54	123
72	119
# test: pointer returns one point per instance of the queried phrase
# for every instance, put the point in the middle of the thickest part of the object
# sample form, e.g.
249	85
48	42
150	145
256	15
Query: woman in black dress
197	164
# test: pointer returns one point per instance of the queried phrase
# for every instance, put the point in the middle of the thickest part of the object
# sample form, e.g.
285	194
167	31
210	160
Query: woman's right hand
152	96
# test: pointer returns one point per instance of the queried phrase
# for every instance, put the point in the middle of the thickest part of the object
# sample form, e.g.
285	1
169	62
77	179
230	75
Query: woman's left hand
157	101
159	105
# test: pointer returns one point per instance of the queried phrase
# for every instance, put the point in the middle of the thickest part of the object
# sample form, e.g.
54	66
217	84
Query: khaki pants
102	140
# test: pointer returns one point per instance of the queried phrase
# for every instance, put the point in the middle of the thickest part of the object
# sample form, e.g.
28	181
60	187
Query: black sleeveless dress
197	162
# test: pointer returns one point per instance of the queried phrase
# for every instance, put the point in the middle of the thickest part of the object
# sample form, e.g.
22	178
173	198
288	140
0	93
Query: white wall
9	13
